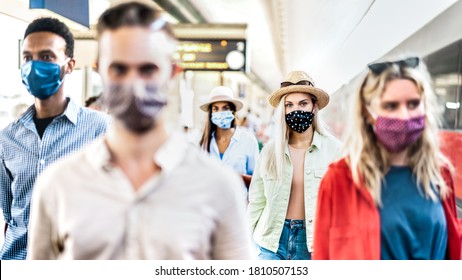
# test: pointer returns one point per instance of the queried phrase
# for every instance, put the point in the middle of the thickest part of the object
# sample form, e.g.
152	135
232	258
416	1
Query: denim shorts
292	244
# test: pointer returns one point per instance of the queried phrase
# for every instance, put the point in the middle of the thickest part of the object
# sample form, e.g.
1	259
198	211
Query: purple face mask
395	135
136	106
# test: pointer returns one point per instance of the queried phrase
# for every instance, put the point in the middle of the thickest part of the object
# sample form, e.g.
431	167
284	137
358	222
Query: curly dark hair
53	25
91	100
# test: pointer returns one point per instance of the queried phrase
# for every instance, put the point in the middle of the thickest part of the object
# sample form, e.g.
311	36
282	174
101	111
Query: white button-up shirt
86	208
241	154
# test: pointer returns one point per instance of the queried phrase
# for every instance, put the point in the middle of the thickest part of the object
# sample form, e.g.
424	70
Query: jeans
292	244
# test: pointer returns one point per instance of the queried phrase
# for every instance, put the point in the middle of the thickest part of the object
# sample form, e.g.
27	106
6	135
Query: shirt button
308	172
42	161
310	221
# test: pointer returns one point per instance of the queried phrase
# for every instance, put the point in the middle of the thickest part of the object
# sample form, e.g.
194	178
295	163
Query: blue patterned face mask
223	119
42	79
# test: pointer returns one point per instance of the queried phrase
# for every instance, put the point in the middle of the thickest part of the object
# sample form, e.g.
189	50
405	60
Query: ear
70	66
95	66
315	108
175	70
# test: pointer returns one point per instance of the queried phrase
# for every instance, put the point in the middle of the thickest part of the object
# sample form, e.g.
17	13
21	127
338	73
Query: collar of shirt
168	157
235	138
236	135
317	143
71	113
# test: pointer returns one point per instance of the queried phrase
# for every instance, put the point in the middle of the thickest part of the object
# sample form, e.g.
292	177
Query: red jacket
347	224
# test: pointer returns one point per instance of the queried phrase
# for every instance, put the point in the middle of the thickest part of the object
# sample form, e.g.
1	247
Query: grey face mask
137	106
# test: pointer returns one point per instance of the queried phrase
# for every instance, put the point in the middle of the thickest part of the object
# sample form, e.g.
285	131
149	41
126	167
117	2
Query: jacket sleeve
323	217
454	248
257	198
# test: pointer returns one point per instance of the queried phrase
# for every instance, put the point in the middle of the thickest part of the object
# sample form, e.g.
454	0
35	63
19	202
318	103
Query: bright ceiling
332	40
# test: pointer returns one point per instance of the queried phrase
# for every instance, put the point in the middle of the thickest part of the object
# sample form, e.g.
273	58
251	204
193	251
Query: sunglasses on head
378	68
301	83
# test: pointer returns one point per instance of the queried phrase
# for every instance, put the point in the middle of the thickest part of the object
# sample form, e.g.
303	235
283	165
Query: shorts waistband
295	223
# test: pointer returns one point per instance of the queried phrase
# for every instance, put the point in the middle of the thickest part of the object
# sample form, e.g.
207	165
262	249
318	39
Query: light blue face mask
42	79
223	119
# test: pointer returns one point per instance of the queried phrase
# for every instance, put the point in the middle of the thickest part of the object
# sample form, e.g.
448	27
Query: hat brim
205	107
321	96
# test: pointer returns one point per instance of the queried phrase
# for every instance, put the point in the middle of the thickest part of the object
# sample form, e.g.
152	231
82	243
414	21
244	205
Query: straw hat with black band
221	94
299	82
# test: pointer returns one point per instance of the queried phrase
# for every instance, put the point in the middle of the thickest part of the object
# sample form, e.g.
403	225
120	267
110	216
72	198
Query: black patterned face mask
299	120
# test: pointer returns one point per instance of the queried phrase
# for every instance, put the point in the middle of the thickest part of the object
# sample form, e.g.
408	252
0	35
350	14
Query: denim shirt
24	155
241	153
269	197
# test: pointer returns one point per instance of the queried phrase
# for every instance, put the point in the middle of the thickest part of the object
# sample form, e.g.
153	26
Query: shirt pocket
318	175
269	185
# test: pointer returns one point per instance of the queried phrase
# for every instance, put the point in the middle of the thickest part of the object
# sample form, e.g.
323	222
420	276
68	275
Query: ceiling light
453	105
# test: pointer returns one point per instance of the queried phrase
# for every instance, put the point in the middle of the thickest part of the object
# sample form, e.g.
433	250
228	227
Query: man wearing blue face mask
221	138
53	127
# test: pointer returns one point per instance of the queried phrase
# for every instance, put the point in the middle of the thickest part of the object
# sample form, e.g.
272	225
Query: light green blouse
269	198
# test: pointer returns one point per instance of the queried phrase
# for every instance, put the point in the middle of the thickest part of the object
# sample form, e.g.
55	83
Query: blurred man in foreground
139	193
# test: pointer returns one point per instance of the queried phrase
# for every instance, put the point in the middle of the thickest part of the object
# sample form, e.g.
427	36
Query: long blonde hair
274	164
369	161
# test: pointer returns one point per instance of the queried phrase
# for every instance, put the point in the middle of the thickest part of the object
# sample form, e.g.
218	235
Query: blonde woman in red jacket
391	196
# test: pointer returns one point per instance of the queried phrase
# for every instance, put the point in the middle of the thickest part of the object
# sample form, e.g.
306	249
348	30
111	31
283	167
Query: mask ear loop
314	104
369	114
66	61
423	108
62	65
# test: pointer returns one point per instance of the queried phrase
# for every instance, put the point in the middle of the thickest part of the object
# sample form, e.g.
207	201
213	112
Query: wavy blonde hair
275	162
369	161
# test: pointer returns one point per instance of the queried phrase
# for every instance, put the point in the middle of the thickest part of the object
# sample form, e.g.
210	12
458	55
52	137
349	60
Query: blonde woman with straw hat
284	188
392	195
225	141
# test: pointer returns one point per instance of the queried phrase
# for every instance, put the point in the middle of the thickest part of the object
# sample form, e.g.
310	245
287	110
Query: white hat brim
205	106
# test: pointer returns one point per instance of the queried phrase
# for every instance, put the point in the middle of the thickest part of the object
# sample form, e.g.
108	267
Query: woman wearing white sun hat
223	139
